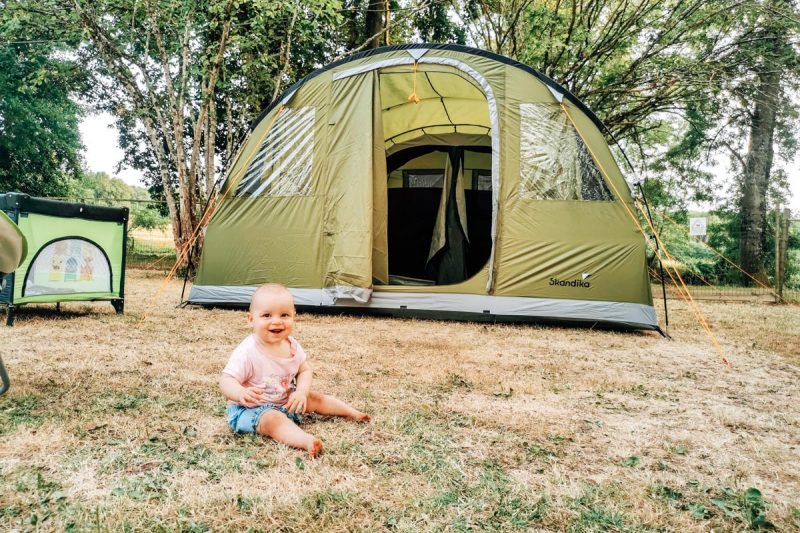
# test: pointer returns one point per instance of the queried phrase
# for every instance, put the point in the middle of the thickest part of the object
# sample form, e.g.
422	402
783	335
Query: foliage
674	80
185	78
434	25
704	262
747	506
100	188
39	138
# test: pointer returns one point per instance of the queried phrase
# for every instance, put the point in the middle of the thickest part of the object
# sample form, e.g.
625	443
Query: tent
13	249
433	181
75	252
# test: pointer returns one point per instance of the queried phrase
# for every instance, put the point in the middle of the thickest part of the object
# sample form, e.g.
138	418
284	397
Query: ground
116	423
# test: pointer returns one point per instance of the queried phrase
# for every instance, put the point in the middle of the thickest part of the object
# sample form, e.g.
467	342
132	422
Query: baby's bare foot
315	448
360	417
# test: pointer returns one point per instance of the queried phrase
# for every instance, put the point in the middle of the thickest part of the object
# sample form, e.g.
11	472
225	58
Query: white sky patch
103	154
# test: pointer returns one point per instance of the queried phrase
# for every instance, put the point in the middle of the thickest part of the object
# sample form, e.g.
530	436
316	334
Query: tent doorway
437	135
439	214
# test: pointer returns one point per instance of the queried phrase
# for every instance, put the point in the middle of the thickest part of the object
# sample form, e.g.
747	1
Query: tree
185	77
39	139
634	63
682	81
374	21
773	56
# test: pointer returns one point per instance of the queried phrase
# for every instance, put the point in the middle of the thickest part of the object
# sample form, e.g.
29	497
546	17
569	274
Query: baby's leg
325	404
277	426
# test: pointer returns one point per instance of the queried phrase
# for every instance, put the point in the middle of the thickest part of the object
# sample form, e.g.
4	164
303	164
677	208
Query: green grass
28	410
475	428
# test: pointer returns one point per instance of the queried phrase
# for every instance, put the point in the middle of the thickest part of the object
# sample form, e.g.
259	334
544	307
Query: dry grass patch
116	424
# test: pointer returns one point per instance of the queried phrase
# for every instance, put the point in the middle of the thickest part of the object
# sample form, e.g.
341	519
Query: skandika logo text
582	283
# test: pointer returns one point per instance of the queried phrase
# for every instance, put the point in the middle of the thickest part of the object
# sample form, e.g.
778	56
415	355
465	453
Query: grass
112	424
151	249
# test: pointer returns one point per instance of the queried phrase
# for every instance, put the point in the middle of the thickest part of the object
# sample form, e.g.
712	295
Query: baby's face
272	316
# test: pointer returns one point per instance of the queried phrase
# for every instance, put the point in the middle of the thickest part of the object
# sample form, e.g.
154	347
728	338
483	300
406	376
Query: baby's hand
251	396
297	402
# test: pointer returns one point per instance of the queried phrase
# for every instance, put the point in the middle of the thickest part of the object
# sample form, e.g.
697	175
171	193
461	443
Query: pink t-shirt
251	366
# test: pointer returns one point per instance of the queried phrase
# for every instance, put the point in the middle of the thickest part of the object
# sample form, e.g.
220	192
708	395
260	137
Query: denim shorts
245	419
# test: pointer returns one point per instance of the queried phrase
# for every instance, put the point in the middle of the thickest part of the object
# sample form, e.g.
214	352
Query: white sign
697	226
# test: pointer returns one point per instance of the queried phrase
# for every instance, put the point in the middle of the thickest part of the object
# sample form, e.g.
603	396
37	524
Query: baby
267	380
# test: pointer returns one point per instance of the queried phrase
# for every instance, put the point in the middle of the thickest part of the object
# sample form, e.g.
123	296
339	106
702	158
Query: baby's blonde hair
270	288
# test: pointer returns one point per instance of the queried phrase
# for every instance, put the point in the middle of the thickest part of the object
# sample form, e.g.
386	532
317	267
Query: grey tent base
474	307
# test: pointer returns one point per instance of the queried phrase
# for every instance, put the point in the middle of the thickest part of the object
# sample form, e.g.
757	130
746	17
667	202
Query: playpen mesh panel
554	161
68	266
283	164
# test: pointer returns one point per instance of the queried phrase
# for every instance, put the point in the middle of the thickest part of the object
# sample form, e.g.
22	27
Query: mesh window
554	161
66	266
482	180
423	178
282	166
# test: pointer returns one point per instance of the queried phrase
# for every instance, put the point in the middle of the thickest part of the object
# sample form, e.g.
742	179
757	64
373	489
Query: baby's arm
298	400
235	392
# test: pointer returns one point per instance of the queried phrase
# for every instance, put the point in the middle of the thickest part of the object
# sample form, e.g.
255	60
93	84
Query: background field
113	424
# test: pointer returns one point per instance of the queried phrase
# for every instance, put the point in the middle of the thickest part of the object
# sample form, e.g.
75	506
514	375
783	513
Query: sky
103	154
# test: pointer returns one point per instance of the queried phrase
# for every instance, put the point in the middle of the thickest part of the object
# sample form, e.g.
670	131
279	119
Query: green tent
430	180
13	246
75	252
13	249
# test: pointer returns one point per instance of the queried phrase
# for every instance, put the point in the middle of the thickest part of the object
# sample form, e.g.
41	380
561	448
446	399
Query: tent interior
436	129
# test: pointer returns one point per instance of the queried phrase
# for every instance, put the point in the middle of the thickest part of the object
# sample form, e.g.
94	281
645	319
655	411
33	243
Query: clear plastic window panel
554	161
424	179
283	164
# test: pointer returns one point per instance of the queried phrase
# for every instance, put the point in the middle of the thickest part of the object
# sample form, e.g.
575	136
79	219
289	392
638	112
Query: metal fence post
783	249
778	256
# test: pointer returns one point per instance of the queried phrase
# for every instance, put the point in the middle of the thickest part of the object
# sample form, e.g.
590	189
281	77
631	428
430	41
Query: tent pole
189	266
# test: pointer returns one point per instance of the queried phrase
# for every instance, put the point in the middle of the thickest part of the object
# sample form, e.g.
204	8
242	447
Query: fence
704	249
727	293
150	249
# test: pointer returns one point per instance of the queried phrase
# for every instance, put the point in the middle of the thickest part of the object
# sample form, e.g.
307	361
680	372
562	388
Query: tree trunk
374	22
758	161
755	181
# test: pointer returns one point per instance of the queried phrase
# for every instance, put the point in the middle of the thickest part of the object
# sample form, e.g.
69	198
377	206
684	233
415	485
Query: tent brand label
582	283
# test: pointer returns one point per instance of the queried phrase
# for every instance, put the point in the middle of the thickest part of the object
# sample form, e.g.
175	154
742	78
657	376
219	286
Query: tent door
355	224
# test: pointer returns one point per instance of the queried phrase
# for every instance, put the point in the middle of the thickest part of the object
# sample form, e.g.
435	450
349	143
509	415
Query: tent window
482	180
283	164
423	178
554	161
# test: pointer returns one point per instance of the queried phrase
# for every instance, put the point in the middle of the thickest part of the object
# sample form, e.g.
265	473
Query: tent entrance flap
353	234
447	259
